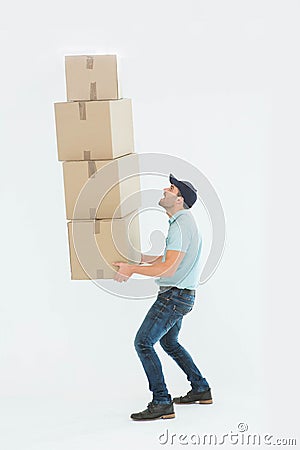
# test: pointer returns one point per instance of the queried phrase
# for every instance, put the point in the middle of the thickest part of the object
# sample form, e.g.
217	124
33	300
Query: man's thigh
162	316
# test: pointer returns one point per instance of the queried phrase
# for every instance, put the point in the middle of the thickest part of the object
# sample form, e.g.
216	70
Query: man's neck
171	212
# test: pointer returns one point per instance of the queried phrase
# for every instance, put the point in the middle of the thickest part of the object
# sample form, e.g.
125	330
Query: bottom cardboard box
95	244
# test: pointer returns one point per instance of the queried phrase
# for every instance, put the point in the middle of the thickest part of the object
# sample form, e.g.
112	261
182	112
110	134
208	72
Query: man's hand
124	272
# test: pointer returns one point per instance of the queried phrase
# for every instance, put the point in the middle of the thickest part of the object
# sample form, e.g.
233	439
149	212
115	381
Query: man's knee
142	343
168	345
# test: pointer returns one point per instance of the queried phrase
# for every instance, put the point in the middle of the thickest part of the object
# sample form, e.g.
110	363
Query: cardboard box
95	244
94	130
92	78
114	189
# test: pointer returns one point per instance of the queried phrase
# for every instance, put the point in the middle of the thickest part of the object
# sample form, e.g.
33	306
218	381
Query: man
178	272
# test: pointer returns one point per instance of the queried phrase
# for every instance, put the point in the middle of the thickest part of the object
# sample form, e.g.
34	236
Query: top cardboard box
92	78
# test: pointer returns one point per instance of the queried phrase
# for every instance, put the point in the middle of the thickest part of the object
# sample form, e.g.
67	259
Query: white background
212	82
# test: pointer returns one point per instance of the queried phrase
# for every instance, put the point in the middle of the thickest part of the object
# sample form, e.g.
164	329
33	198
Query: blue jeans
162	323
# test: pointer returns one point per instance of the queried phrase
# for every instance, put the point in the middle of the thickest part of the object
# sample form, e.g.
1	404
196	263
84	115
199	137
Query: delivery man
178	272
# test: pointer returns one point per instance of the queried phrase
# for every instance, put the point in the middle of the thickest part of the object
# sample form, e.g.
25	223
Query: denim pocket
176	311
183	301
182	308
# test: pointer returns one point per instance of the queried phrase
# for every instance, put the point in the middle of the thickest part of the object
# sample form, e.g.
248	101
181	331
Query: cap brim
172	179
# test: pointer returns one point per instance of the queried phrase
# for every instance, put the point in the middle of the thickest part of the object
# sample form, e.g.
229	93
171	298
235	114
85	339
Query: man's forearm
152	259
160	269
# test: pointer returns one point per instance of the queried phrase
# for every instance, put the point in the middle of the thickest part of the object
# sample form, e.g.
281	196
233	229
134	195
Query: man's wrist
133	267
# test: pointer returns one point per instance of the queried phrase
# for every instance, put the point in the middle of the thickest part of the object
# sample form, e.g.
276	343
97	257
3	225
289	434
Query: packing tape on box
93	214
97	227
100	273
82	110
93	91
93	85
89	62
86	155
92	169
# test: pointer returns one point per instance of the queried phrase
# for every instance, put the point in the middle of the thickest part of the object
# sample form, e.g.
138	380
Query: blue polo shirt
183	236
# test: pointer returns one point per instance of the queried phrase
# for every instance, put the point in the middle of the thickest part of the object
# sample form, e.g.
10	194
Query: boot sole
165	416
199	402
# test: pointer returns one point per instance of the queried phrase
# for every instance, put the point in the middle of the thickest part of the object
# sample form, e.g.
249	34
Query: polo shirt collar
177	214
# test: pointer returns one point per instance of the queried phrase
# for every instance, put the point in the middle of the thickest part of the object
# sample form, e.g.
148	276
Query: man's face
170	197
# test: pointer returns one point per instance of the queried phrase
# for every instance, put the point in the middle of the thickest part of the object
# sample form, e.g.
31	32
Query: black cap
187	190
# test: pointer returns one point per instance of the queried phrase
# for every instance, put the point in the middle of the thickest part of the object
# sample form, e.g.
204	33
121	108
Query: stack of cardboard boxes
94	132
